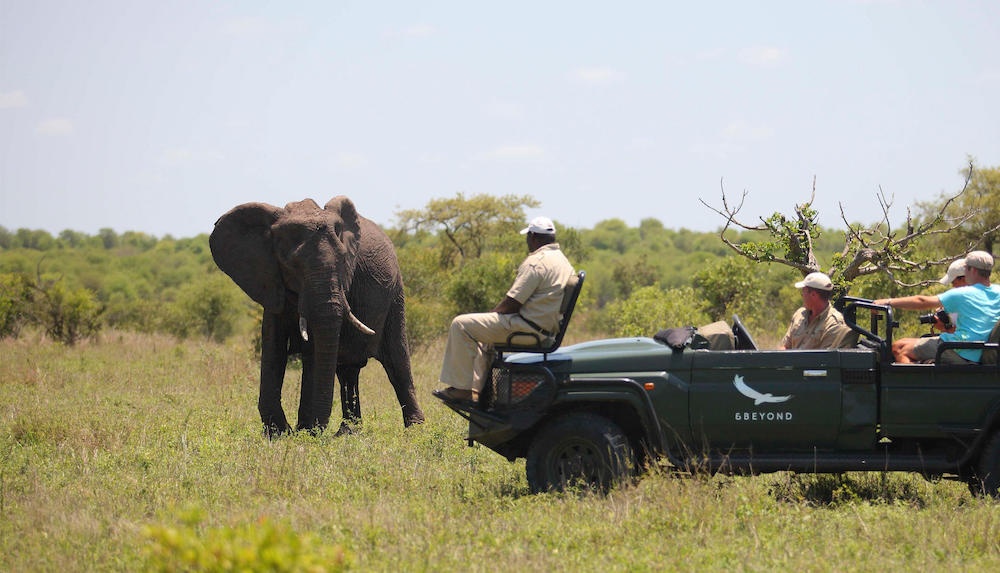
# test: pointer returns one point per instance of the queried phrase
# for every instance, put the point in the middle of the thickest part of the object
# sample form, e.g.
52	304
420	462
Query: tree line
459	254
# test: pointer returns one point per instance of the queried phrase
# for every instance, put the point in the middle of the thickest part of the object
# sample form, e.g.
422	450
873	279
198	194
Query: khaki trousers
469	353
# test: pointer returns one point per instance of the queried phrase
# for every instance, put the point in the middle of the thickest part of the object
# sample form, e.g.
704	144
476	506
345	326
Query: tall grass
140	452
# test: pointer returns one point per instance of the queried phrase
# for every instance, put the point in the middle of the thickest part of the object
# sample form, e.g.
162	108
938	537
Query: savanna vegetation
129	436
138	452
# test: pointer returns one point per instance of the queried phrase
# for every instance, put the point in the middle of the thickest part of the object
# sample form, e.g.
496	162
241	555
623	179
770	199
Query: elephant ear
241	246
350	234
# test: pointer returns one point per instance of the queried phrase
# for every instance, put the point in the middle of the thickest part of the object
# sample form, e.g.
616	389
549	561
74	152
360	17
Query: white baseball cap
955	269
541	226
818	281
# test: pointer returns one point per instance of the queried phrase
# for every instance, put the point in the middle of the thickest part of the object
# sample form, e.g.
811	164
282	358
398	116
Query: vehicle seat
990	354
532	341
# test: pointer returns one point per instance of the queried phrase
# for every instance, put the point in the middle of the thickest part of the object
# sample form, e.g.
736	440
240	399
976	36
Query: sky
161	116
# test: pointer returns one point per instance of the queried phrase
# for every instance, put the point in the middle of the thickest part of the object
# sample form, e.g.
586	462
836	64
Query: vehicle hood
607	355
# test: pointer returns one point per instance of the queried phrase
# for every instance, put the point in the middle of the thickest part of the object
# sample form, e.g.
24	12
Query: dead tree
868	249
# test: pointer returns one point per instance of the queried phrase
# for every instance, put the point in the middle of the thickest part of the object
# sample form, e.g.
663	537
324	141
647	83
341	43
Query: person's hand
880	302
938	325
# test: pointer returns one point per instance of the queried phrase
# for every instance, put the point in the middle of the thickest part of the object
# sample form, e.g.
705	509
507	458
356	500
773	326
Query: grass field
140	452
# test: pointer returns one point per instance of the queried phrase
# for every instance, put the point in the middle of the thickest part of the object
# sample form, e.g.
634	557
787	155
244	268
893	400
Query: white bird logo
757	397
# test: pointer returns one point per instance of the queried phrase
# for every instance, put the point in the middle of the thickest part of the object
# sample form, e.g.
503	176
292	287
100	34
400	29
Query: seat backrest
571	292
990	354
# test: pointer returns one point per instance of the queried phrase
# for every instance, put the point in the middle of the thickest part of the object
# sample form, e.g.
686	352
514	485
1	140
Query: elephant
331	289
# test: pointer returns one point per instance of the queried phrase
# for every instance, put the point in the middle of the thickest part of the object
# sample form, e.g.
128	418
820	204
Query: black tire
986	480
579	450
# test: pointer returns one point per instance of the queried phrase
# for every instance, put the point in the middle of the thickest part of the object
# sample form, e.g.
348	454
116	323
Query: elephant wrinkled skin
329	282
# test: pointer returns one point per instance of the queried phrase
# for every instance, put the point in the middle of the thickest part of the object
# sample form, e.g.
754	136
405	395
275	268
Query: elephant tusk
302	328
359	325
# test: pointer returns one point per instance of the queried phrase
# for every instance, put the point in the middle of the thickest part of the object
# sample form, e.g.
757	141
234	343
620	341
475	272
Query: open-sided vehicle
598	411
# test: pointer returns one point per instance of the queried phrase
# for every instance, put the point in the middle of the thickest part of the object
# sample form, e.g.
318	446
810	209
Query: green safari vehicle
595	413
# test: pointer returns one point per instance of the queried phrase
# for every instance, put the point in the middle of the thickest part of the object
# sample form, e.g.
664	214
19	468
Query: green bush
426	320
15	296
67	314
260	546
651	309
210	308
481	283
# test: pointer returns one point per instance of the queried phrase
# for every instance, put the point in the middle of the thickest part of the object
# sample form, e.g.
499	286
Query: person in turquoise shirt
976	306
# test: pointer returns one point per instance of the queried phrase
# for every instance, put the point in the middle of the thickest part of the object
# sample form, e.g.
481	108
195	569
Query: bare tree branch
868	250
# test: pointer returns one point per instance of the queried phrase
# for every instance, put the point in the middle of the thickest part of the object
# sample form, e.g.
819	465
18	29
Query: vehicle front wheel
579	450
987	478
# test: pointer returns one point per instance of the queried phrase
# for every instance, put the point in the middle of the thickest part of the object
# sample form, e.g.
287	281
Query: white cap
818	281
955	269
541	226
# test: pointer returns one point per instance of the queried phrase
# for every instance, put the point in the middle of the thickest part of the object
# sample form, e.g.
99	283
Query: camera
941	315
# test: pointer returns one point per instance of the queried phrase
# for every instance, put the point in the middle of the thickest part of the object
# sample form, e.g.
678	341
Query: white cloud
350	161
741	130
710	55
734	139
13	99
504	110
512	153
55	126
762	55
985	77
722	150
248	26
597	75
419	31
432	158
182	156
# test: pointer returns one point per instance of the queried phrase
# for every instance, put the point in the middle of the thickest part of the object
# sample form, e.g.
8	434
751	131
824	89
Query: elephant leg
273	358
350	401
394	355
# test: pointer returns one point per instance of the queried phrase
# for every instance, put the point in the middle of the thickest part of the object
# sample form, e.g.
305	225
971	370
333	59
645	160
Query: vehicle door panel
765	399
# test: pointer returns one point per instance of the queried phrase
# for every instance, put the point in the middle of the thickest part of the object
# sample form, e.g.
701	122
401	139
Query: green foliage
209	308
480	284
629	274
15	299
262	546
427	320
982	196
67	314
468	226
651	309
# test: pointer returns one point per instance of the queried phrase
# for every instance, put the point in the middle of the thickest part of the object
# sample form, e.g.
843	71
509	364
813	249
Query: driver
976	305
817	325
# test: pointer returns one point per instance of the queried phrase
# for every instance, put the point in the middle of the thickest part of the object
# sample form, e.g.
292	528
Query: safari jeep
595	413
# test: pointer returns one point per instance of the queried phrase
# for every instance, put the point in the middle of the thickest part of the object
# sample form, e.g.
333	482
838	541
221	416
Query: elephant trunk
321	307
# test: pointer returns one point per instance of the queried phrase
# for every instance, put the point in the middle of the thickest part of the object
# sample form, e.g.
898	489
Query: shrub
426	320
651	309
210	308
68	315
15	296
260	546
481	283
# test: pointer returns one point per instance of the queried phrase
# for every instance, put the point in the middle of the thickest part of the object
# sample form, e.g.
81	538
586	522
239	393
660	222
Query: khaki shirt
828	331
539	285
